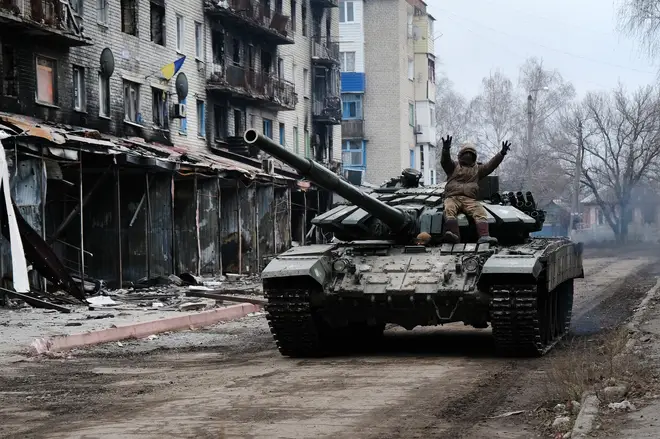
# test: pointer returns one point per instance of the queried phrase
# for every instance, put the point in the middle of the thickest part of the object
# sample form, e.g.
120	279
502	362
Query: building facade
388	89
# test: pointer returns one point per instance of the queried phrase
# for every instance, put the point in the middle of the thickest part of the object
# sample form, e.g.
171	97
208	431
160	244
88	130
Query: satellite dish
107	62
181	85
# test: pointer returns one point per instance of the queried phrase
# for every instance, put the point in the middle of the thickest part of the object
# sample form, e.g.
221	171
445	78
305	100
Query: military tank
375	271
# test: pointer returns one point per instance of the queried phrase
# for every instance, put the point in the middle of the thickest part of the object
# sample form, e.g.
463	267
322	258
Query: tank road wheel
295	328
527	321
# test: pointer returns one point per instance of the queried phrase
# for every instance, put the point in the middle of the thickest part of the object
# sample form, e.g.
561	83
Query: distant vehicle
390	266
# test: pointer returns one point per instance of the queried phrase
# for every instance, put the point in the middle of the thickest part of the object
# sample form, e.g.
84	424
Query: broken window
432	71
220	122
102	11
328	27
159	104
294	15
77	6
104	96
9	72
46	75
236	51
304	20
280	68
218	46
179	33
78	88
158	22
198	40
201	119
306	82
239	123
129	20
267	11
266	61
131	101
279	8
250	57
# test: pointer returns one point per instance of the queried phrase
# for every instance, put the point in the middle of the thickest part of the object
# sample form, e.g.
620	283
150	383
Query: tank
376	271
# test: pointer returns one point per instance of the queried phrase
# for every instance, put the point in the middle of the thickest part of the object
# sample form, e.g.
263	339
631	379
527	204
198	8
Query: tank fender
512	265
310	260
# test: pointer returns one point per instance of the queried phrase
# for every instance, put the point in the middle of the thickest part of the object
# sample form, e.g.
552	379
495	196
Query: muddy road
230	382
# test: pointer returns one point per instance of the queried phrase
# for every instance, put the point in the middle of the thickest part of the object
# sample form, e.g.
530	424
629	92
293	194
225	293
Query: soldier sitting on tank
462	189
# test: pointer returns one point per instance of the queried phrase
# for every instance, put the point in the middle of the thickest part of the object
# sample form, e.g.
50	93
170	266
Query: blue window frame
352	106
183	124
353	154
412	158
282	135
268	128
201	119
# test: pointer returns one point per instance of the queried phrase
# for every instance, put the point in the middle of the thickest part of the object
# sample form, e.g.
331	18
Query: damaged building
123	120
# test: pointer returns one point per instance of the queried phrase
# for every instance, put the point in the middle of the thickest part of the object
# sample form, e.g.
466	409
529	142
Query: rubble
622	406
561	423
613	393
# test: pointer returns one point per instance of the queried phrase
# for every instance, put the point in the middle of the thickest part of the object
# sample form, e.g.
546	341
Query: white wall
351	35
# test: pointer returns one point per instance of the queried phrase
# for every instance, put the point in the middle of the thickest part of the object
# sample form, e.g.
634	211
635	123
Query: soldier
463	187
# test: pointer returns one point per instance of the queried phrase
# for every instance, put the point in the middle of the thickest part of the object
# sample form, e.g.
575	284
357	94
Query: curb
141	330
590	402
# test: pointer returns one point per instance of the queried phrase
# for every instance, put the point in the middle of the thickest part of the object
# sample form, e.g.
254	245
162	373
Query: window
411	69
198	40
280	68
347	61
102	11
78	88
296	143
308	151
410	23
282	135
432	71
346	12
293	73
431	28
131	102
252	121
9	72
183	124
412	158
77	7
239	126
432	175
179	33
432	116
157	22
305	82
219	122
104	96
411	114
304	20
352	153
352	106
268	128
159	108
129	17
294	15
201	119
46	75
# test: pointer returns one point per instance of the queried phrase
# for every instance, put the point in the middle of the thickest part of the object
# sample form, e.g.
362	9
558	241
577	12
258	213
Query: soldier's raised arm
488	168
448	165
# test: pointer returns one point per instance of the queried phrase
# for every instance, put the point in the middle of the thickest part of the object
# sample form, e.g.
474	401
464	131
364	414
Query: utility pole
576	182
530	128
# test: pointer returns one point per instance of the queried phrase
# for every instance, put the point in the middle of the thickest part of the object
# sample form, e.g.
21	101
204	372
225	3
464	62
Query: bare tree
641	19
452	115
620	141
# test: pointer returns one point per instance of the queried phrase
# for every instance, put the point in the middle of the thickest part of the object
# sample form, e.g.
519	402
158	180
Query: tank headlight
471	265
339	266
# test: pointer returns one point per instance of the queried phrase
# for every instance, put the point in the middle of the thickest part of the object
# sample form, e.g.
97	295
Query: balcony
325	3
54	20
325	52
264	22
252	86
352	129
327	109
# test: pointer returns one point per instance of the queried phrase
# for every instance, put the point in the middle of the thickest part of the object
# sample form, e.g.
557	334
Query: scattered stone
561	423
560	408
176	280
232	277
575	407
613	393
152	337
646	338
567	435
622	406
157	304
192	306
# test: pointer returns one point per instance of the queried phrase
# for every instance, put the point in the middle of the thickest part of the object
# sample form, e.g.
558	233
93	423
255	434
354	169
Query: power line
564	52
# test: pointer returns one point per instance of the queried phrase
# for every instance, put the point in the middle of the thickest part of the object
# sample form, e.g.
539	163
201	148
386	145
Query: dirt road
229	381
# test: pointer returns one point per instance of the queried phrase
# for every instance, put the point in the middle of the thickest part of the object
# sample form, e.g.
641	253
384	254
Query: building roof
64	142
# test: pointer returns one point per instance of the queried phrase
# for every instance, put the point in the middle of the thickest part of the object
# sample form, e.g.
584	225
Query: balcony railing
51	18
265	20
352	129
325	52
253	85
327	109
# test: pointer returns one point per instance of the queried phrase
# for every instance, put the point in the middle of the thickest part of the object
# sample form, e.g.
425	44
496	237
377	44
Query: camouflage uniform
462	190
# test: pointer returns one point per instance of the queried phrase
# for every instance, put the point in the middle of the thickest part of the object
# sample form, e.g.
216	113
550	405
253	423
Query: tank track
525	324
292	323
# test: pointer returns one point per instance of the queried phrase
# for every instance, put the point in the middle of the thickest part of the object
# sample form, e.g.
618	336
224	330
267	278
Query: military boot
452	234
484	236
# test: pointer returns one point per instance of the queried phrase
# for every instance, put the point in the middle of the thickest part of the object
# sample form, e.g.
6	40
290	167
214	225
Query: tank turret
397	220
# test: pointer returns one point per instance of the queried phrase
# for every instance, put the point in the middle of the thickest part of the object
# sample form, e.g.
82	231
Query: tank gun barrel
324	178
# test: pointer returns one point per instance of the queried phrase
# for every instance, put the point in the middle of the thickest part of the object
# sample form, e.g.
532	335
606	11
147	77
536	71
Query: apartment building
388	89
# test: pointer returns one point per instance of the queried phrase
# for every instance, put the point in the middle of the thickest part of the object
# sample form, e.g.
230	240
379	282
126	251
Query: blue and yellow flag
172	68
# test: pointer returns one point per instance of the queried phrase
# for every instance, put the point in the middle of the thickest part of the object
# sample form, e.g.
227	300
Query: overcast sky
578	37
